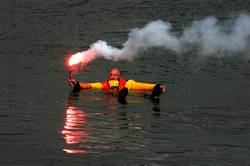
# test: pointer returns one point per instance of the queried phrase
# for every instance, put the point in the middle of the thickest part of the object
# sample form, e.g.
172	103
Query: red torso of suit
122	83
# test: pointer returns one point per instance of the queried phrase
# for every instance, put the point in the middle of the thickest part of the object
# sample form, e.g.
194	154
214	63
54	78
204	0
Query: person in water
117	83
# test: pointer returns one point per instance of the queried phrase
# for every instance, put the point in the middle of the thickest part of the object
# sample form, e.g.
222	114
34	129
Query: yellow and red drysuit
118	85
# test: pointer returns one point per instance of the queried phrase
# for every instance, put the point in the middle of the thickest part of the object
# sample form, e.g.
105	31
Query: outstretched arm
141	86
155	89
77	86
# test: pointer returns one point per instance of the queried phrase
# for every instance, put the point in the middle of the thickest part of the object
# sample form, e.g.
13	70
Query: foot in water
122	95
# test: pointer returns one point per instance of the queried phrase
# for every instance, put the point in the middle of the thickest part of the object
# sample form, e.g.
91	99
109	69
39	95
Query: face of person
114	74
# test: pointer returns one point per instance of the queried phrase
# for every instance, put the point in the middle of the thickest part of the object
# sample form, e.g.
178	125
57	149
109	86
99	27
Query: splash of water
208	37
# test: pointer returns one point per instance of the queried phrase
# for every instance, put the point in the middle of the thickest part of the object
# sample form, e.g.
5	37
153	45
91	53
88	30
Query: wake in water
208	37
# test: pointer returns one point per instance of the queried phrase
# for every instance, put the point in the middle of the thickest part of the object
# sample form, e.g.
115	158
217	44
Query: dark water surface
203	119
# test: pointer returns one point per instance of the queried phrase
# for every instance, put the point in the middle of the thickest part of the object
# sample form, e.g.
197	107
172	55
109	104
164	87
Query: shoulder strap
122	83
106	85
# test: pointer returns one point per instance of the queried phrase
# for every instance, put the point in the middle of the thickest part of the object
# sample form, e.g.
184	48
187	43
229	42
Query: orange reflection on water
74	131
83	133
72	151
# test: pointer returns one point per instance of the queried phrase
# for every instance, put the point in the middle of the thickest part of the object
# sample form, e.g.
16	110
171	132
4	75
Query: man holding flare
116	83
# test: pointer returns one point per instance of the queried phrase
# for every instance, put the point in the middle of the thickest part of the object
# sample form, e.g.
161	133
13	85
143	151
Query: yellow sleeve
139	86
94	85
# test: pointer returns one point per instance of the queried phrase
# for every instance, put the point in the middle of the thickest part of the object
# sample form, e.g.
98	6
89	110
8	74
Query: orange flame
84	58
75	59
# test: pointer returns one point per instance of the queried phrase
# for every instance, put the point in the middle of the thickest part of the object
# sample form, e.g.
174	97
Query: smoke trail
154	34
212	38
208	37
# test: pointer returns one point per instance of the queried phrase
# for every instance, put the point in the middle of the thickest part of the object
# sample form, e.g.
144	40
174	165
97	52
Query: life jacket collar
114	84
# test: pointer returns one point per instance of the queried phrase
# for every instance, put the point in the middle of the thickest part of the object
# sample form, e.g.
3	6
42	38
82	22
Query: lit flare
73	62
75	59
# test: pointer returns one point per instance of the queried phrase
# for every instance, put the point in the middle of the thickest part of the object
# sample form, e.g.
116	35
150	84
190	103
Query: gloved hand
75	84
72	82
163	88
158	90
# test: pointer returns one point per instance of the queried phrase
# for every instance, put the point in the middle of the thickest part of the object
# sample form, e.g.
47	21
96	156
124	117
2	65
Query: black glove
157	91
76	87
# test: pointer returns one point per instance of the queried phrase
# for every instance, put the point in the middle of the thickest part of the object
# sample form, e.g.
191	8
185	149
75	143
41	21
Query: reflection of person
116	82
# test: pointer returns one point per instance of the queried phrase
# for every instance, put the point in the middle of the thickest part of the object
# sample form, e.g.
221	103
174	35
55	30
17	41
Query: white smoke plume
207	37
210	37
